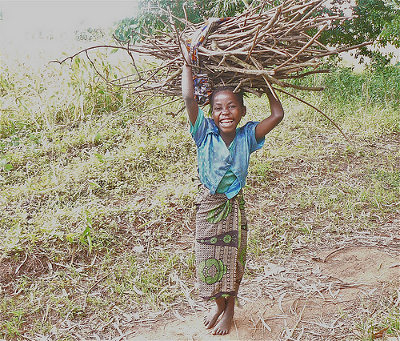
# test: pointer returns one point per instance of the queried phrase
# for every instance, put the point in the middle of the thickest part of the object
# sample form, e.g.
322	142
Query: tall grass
96	192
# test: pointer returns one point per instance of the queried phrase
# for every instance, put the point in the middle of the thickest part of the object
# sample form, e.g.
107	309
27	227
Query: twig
161	105
20	266
121	337
88	49
332	253
254	42
303	48
92	287
179	38
315	108
297	322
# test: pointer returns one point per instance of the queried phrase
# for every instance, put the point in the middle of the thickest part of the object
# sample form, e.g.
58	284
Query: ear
244	111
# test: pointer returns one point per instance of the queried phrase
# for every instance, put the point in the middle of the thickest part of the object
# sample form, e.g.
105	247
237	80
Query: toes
209	323
220	331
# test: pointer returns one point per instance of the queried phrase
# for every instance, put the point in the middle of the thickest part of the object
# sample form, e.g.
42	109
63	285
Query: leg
224	326
211	318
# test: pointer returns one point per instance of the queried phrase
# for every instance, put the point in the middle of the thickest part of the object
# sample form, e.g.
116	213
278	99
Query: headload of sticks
253	51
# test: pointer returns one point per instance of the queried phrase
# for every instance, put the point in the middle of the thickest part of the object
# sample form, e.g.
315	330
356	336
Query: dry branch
253	50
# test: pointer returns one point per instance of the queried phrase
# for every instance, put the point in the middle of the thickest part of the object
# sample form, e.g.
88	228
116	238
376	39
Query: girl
223	153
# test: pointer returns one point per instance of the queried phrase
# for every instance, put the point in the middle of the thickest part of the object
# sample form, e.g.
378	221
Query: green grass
380	318
97	195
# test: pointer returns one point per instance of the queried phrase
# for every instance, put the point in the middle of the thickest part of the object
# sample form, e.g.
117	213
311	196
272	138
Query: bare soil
315	294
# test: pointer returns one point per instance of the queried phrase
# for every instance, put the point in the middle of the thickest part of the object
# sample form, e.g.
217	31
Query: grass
381	318
97	194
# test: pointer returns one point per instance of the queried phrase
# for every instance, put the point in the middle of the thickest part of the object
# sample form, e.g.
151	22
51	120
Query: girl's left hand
186	55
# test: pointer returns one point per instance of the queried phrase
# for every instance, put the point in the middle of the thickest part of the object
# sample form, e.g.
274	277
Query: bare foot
212	317
224	326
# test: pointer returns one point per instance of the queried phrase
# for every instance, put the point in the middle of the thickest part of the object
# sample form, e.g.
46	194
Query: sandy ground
315	295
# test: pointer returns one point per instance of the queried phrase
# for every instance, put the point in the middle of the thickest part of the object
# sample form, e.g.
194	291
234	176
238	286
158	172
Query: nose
225	110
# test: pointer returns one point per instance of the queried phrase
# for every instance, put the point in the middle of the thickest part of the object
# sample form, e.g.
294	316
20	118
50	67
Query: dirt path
314	295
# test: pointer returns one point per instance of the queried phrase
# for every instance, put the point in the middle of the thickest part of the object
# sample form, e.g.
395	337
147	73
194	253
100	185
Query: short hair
239	94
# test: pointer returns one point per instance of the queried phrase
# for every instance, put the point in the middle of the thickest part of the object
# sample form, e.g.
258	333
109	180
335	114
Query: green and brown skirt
220	246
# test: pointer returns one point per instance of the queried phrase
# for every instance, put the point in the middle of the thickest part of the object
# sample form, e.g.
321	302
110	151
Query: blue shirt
215	159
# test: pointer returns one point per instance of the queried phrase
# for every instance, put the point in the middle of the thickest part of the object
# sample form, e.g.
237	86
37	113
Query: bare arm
188	93
188	87
277	113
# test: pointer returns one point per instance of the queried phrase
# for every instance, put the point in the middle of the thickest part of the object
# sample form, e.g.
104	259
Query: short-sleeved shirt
216	160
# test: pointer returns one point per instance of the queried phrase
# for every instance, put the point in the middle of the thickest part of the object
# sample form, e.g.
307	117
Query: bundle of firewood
253	51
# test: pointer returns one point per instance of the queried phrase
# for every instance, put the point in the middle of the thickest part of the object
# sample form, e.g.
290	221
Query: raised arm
277	113
188	88
188	93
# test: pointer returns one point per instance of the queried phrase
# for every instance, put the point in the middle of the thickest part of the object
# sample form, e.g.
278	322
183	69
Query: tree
373	20
154	15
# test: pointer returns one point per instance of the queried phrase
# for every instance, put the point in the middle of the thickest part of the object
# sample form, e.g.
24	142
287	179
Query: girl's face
227	111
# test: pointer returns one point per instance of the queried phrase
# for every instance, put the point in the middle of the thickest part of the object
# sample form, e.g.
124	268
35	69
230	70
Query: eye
217	109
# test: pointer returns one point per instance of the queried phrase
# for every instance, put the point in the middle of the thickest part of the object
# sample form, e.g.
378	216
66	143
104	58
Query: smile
225	123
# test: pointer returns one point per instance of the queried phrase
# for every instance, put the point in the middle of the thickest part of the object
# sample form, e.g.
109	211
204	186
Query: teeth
225	123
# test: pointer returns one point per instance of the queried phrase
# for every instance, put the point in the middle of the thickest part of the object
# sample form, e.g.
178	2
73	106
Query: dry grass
97	203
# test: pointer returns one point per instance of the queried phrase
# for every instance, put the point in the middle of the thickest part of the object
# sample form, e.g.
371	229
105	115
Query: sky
33	25
62	14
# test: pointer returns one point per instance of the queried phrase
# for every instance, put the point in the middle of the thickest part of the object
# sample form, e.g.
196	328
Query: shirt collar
214	128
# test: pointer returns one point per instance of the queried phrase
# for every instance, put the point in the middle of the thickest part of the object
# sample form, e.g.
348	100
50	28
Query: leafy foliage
154	15
374	20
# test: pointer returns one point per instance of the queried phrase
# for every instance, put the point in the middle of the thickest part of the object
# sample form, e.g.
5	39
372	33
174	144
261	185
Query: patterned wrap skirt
220	245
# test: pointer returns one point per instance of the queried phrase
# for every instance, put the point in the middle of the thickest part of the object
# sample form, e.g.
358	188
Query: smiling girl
223	153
